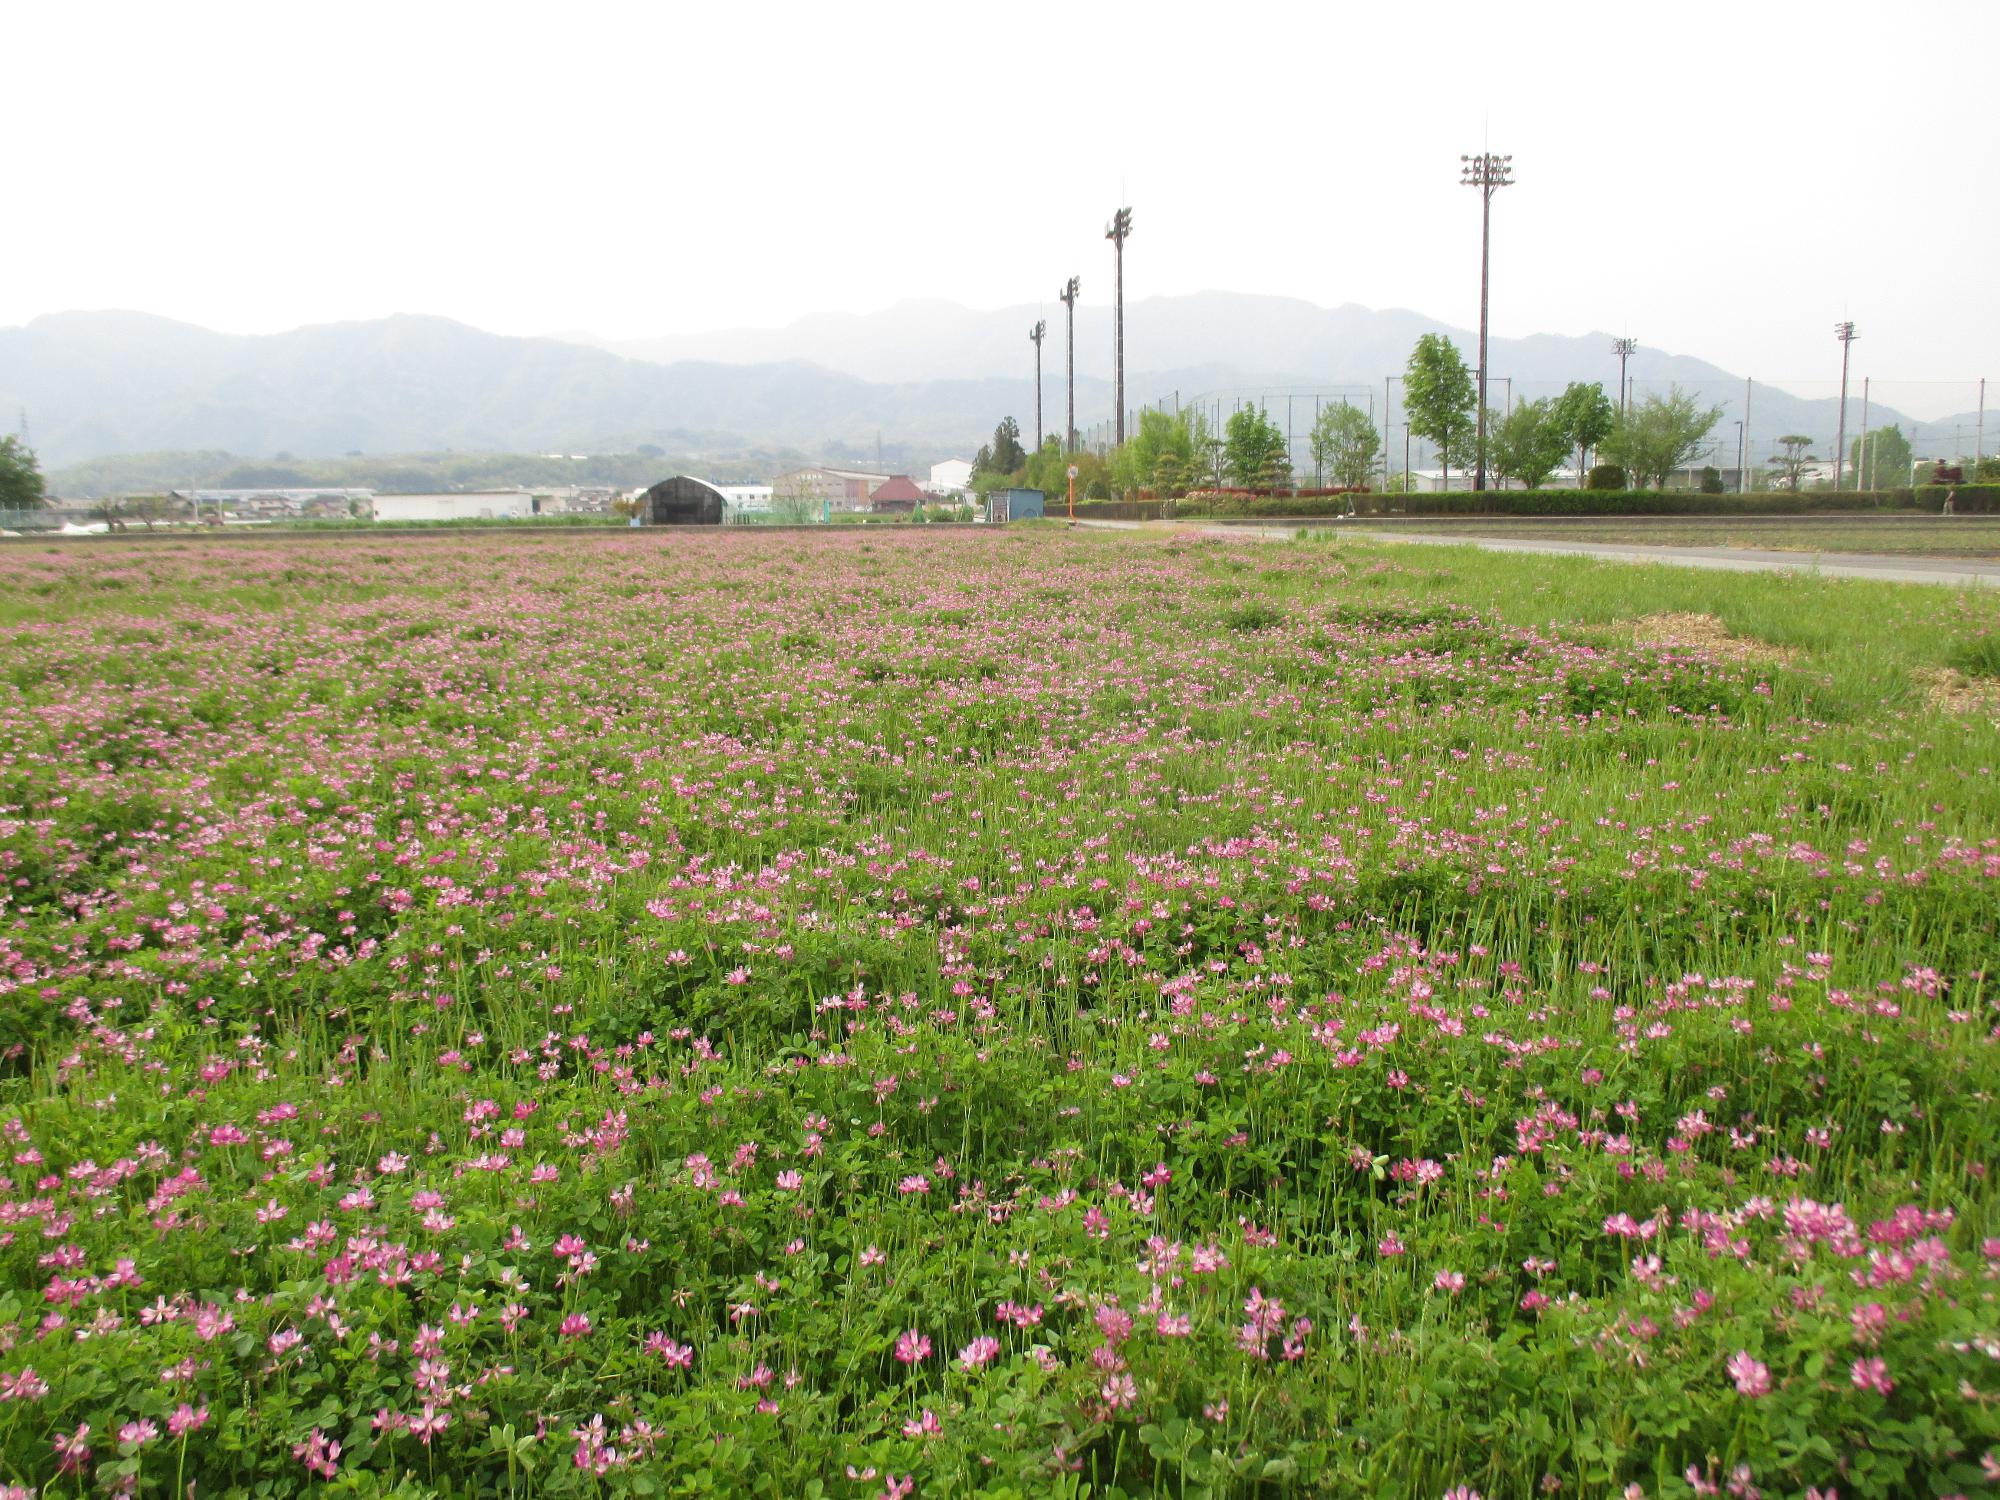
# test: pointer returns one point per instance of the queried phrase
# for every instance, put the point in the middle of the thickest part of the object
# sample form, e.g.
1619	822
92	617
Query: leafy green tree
1213	459
1048	471
1046	467
1277	471
1794	459
1344	444
796	503
1439	398
1250	439
21	486
150	510
1586	416
1884	460
1529	443
1170	472
1660	435
1007	455
1160	435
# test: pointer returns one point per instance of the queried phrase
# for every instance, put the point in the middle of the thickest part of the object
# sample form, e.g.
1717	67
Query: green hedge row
1116	510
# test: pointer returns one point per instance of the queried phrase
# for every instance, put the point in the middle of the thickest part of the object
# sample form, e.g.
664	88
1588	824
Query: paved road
1957	572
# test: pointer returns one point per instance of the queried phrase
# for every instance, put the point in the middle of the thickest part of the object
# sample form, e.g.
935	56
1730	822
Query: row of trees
1529	443
1649	441
1881	460
1171	453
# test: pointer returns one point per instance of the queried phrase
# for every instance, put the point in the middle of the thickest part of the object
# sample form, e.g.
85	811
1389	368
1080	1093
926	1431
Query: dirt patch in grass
1706	634
1954	693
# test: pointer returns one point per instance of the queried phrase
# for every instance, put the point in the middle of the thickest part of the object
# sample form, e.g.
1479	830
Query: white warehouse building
483	505
952	477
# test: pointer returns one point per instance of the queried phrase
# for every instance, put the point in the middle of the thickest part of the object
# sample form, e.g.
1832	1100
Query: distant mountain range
117	382
923	379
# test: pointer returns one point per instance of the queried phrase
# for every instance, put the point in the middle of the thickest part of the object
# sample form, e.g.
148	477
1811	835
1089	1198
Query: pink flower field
935	1012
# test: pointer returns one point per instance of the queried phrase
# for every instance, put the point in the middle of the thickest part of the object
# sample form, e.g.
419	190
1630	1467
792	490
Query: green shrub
1605	477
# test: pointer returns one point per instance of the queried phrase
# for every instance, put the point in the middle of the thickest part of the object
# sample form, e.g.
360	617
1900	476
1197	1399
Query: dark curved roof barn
681	501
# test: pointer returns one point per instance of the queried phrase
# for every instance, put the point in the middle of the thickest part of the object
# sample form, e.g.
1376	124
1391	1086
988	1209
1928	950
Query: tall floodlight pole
1117	232
1749	389
1068	296
1489	173
1862	478
1387	406
1623	349
1036	333
1845	333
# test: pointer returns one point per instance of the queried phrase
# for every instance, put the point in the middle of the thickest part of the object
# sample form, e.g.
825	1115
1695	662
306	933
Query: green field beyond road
930	1012
1912	536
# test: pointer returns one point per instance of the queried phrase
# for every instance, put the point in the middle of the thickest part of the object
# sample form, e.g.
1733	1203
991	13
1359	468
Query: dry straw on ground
1682	631
1954	693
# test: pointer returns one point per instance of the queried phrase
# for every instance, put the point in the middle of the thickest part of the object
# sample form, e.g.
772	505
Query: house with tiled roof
899	497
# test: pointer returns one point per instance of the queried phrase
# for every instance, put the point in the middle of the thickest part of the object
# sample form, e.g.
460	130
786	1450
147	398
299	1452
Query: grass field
1901	536
1016	1012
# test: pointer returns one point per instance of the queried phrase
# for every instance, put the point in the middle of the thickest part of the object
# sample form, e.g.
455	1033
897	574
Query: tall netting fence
1765	432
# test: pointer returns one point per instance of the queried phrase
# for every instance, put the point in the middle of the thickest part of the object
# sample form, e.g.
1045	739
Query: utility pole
1036	334
1623	349
1068	296
1489	173
1117	231
1978	440
1845	333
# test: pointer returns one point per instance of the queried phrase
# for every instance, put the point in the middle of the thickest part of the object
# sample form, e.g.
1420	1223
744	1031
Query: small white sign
1072	471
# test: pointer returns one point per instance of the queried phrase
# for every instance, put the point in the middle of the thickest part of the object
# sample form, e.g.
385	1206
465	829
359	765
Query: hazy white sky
1718	179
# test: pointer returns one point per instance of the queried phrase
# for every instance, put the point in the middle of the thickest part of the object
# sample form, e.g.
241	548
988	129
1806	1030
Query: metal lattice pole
1117	232
1845	333
1036	333
1489	173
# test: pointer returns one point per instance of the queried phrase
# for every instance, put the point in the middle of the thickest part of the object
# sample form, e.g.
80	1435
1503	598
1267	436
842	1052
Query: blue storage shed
1003	506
